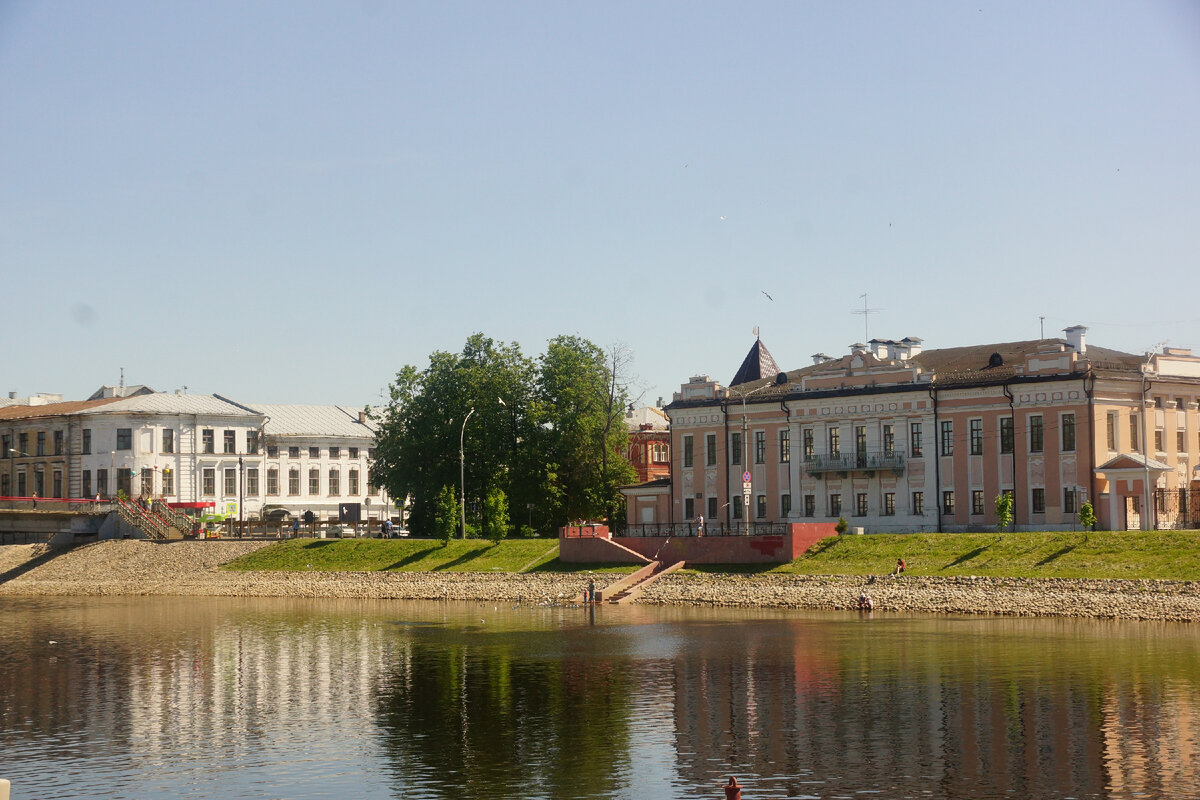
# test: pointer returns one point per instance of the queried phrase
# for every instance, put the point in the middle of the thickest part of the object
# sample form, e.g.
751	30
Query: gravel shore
190	568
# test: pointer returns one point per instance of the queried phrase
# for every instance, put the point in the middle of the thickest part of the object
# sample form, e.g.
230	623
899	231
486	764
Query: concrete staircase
628	588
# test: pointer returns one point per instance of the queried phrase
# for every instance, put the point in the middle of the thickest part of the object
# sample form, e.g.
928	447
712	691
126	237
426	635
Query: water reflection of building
853	713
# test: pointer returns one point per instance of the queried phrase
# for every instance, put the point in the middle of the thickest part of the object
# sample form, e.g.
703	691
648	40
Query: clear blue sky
286	202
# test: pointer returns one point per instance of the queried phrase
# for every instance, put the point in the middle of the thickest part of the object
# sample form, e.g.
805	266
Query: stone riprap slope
190	568
1058	597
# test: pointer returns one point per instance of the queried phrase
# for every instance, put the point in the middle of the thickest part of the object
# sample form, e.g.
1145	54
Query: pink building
894	437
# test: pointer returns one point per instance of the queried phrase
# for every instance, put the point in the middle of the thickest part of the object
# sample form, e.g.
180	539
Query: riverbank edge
136	568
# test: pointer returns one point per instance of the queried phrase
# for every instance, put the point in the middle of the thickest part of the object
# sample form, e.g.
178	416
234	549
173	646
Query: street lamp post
747	491
462	473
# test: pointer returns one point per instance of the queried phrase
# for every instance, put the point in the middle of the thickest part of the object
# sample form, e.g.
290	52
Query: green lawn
1061	554
411	555
1105	554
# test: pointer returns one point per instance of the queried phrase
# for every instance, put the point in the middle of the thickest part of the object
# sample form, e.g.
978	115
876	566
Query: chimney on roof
858	348
659	404
362	418
819	358
12	395
1077	338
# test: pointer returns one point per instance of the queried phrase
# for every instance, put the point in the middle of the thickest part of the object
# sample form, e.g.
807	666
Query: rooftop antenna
866	315
756	332
122	380
1042	323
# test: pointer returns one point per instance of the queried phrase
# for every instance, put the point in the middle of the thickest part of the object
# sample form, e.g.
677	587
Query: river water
268	698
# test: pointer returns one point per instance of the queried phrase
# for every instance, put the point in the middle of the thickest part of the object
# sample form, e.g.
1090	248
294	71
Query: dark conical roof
758	365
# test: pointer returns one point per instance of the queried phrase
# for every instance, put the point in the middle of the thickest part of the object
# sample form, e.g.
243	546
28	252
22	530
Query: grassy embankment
1080	554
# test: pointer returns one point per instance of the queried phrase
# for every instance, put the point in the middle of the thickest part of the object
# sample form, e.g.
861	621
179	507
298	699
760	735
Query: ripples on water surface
186	698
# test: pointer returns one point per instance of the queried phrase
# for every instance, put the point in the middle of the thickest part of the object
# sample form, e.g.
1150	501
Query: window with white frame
230	481
352	482
314	481
1038	503
209	481
230	442
273	481
293	481
252	481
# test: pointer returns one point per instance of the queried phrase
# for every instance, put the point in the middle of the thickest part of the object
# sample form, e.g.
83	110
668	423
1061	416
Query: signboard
231	508
350	512
746	477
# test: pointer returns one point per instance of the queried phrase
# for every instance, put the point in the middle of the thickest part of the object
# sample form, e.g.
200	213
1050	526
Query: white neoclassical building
199	451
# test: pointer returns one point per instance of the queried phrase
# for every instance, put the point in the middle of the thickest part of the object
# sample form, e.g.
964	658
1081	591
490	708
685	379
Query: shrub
842	526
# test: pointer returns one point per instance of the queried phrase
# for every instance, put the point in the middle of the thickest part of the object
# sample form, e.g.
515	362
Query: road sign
746	476
746	485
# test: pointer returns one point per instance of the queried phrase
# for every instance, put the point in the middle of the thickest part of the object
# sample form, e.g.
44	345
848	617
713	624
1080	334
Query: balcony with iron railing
861	461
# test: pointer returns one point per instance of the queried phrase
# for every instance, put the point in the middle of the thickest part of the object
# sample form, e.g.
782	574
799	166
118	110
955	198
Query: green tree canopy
549	434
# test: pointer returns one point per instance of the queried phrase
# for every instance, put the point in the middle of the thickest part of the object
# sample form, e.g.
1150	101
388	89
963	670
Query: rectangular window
914	432
975	429
1180	442
889	504
6	445
102	482
1069	501
293	481
1006	435
737	506
1035	433
147	481
948	437
1068	433
687	451
1158	440
41	450
23	447
712	509
710	449
785	505
230	442
689	509
230	481
354	454
860	445
314	481
168	441
735	448
335	452
208	482
835	441
352	482
124	438
760	447
889	440
87	483
5	490
948	503
168	482
208	441
252	442
314	452
976	502
809	447
810	505
860	504
87	447
22	488
272	451
371	453
58	443
1112	432
761	510
293	452
785	446
57	483
1133	432
1039	501
835	505
335	482
918	503
252	481
272	481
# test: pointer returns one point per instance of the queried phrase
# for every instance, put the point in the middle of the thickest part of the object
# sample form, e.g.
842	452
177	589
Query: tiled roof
300	420
53	409
757	365
646	415
168	403
953	365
